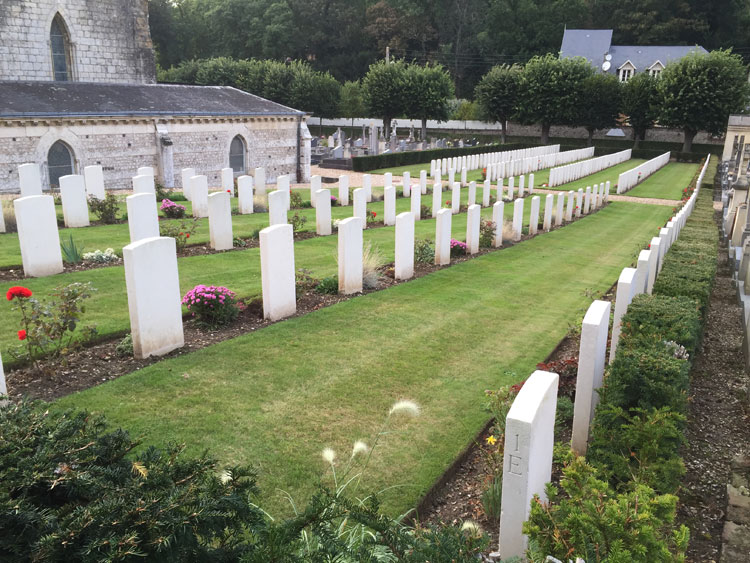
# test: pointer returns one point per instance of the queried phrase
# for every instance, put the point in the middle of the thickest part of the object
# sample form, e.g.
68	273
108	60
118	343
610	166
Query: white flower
359	448
471	528
225	476
329	455
406	407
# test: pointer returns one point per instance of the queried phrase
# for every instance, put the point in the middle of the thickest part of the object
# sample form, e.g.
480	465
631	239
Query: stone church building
78	88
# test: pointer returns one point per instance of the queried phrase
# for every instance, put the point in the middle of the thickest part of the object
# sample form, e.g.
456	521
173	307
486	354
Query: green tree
699	91
640	102
352	101
497	94
430	88
551	91
386	87
600	105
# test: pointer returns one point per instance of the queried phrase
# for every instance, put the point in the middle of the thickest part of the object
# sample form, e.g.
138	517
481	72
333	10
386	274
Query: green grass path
665	183
276	397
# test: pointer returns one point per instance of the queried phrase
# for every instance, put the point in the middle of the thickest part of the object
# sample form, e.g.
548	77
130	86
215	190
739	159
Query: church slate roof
87	99
593	44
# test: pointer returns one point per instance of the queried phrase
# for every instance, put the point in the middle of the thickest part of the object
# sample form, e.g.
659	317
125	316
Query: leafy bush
125	346
372	259
424	252
425	212
98	257
295	200
72	253
49	327
304	282
640	445
172	210
486	234
658	318
647	377
328	286
105	209
588	519
212	306
180	232
297	221
567	369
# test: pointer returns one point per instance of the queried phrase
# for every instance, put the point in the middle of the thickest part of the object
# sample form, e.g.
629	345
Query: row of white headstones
529	428
632	177
571	172
440	166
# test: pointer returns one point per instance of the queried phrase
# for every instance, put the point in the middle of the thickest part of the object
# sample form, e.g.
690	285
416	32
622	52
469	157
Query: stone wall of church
121	147
110	40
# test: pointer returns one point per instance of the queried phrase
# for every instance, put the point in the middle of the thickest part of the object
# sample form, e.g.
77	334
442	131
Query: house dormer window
60	47
655	69
626	71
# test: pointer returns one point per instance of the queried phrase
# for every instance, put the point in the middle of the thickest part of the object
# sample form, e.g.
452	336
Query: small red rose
187	235
21	335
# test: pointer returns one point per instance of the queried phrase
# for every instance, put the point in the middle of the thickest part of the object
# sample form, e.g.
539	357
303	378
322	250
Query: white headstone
591	360
220	221
74	205
626	290
350	254
367	186
2	217
389	205
571	205
404	262
549	203
451	176
531	183
30	180
155	316
227	181
38	237
456	197
143	217
517	219
360	205
527	457
94	176
245	195
283	185
463	176
277	208
187	173
534	215
406	184
315	185
579	202
473	217
3	386
146	171
260	181
521	186
486	192
472	193
587	201
199	195
323	212
387	179
560	209
344	190
416	204
644	260
653	263
277	271
144	184
498	210
437	198
423	182
443	237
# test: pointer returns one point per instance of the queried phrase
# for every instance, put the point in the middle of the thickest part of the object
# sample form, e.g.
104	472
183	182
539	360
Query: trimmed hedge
638	426
392	160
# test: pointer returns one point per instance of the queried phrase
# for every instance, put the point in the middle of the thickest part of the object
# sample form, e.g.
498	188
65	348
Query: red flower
18	291
187	235
229	191
21	335
374	214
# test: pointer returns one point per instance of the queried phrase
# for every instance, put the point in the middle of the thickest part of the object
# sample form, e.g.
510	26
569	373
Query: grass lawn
666	183
238	270
276	397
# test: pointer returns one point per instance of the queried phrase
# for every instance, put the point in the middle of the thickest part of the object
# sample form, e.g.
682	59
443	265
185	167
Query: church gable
76	40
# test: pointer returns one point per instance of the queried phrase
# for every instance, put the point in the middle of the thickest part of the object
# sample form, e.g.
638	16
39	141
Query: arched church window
59	163
237	155
60	45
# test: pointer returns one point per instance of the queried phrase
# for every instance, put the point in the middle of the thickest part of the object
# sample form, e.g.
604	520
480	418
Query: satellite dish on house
606	66
607	57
